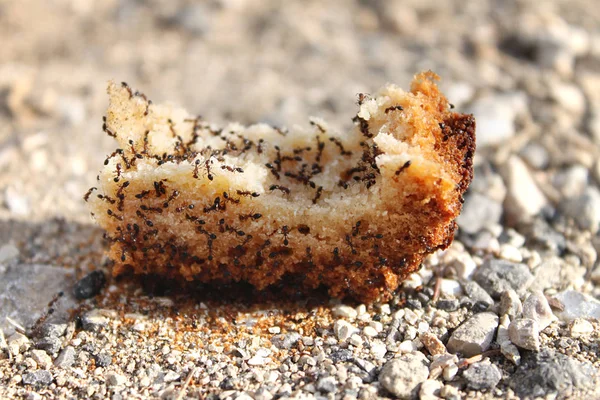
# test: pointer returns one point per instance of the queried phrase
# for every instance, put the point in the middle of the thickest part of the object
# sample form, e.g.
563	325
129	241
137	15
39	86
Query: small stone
584	209
571	181
475	335
577	305
94	320
90	285
536	307
355	340
581	327
18	343
16	202
407	346
402	376
327	384
50	338
569	96
343	329
510	352
482	376
450	287
341	355
433	344
115	379
66	358
477	294
497	276
103	360
525	333
42	358
535	155
344	311
524	199
378	349
410	316
510	304
478	212
448	304
38	378
286	341
496	116
8	253
430	390
549	373
171	376
370	331
450	372
443	361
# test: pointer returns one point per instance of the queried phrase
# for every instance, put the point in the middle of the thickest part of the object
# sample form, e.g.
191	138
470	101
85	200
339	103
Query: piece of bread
356	213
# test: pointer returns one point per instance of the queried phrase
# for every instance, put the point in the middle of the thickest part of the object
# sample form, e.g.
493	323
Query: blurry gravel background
528	70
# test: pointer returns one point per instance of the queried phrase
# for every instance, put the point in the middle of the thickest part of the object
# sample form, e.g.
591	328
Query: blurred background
529	70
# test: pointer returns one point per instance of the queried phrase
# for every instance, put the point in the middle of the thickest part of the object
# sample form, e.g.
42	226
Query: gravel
577	305
584	209
549	373
475	335
38	378
90	285
536	307
402	376
482	376
497	276
525	333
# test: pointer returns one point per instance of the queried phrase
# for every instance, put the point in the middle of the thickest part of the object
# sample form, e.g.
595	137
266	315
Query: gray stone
115	379
524	199
26	290
525	333
477	294
510	304
343	329
38	378
18	343
536	307
8	253
66	358
497	276
50	337
572	181
550	373
402	376
90	285
577	305
41	358
94	320
584	209
286	341
482	376
540	233
478	212
496	116
327	384
475	335
535	155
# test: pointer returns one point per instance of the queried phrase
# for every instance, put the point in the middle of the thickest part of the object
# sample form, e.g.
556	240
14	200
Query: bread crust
356	213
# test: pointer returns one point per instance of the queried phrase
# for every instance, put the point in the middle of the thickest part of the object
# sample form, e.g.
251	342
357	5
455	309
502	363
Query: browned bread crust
356	213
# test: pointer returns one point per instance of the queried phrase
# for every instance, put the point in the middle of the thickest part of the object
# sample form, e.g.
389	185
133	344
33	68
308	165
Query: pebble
18	343
343	311
511	352
42	358
448	304
370	331
568	96
510	304
327	384
525	333
475	335
549	373
115	379
477	294
584	209
286	341
38	378
577	305
378	349
497	276
524	199
51	337
450	287
432	344
581	327
536	307
8	253
482	376
495	115
572	181
478	212
430	389
535	155
94	320
450	372
66	358
90	285
407	346
16	202
344	330
402	376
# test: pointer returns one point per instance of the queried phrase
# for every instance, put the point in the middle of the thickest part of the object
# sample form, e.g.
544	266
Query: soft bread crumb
356	213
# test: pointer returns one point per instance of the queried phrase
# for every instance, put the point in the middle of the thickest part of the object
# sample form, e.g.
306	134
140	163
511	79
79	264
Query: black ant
394	108
86	197
232	169
403	167
245	193
318	195
279	187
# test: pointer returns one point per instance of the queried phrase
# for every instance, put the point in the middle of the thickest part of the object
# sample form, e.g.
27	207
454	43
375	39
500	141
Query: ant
245	193
339	144
318	195
232	169
86	197
362	97
403	167
105	128
254	216
394	108
282	188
